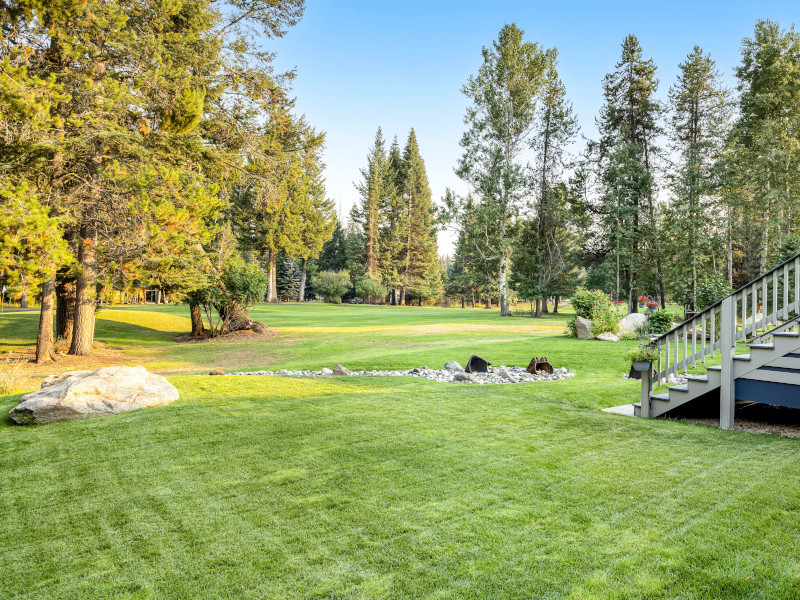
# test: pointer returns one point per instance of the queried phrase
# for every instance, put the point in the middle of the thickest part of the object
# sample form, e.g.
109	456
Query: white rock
82	394
341	370
631	323
584	328
607	337
326	371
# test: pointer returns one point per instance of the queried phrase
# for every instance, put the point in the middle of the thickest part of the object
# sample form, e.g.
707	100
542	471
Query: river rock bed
497	375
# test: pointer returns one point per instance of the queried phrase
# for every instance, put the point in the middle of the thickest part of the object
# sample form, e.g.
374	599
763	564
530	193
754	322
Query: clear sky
362	64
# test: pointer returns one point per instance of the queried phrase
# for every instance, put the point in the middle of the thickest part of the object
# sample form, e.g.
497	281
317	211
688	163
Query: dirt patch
235	336
751	417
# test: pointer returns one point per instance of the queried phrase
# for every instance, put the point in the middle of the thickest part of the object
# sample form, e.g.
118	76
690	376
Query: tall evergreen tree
374	189
698	123
625	156
765	140
421	275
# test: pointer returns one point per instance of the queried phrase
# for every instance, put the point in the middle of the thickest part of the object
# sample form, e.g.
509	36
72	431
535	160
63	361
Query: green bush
331	285
370	290
596	305
660	321
711	289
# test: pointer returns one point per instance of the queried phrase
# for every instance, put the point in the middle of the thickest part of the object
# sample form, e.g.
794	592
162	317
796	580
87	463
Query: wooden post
727	392
647	382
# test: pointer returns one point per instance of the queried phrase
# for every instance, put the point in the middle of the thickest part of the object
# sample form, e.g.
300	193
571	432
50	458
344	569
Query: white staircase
769	373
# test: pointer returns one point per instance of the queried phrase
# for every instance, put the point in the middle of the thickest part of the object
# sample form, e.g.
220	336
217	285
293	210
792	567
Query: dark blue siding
767	392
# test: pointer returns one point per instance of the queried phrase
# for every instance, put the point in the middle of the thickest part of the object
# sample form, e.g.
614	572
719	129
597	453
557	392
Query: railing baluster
703	341
764	304
694	345
774	320
754	309
785	308
797	285
713	326
744	315
676	367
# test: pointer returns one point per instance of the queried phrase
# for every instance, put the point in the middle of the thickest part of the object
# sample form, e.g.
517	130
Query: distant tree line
671	195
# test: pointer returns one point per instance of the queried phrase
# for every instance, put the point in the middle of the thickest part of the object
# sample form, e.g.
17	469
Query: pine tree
421	274
374	190
698	127
500	121
393	240
765	139
625	157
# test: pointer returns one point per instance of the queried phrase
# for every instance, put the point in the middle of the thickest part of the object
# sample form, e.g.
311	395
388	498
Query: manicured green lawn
255	487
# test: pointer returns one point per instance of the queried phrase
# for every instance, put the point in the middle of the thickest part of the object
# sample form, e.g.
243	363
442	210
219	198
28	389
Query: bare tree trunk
504	308
463	302
44	341
538	312
473	299
85	293
65	308
489	302
23	298
556	300
272	288
544	304
302	295
402	301
197	319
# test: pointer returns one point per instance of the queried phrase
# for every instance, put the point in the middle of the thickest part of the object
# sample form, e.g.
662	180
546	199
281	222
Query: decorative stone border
496	376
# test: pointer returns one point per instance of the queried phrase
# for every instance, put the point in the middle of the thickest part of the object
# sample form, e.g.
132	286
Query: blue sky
397	65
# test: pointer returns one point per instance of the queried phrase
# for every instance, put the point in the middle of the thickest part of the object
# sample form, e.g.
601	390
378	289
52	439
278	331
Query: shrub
331	285
597	306
370	290
660	322
11	375
711	289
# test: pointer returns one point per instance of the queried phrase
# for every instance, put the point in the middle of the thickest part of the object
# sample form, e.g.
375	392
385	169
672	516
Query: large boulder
341	370
631	323
584	328
83	394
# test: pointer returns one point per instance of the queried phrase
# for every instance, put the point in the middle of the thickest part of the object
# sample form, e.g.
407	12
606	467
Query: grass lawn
340	488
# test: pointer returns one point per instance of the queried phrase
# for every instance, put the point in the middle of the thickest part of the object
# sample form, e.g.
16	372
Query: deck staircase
763	317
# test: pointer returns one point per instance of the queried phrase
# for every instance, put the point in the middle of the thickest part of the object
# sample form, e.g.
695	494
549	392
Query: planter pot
642	366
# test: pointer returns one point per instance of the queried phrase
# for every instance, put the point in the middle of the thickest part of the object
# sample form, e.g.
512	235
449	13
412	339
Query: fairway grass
387	487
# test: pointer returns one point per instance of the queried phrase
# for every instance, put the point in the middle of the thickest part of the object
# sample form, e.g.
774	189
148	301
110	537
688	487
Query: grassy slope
384	487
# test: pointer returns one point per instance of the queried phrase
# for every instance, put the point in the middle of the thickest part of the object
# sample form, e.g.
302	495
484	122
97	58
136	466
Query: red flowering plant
643	299
653	305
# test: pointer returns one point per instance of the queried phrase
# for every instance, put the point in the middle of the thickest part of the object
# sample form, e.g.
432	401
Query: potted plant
643	299
642	358
652	307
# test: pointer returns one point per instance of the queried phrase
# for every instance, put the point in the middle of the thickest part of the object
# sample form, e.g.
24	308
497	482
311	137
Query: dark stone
217	372
634	374
540	364
477	365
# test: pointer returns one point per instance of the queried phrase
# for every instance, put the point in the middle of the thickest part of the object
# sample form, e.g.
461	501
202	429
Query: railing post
647	386
727	392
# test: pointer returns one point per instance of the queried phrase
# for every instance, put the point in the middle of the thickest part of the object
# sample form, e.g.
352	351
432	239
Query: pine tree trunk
556	300
44	341
65	308
302	295
489	302
197	319
272	288
85	293
463	302
402	301
544	304
538	312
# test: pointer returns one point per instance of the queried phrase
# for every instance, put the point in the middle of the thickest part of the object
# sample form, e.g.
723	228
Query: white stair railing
755	310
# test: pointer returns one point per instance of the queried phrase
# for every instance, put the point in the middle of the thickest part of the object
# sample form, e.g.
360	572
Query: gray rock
341	370
83	394
504	374
461	376
453	367
326	371
607	337
631	323
584	328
